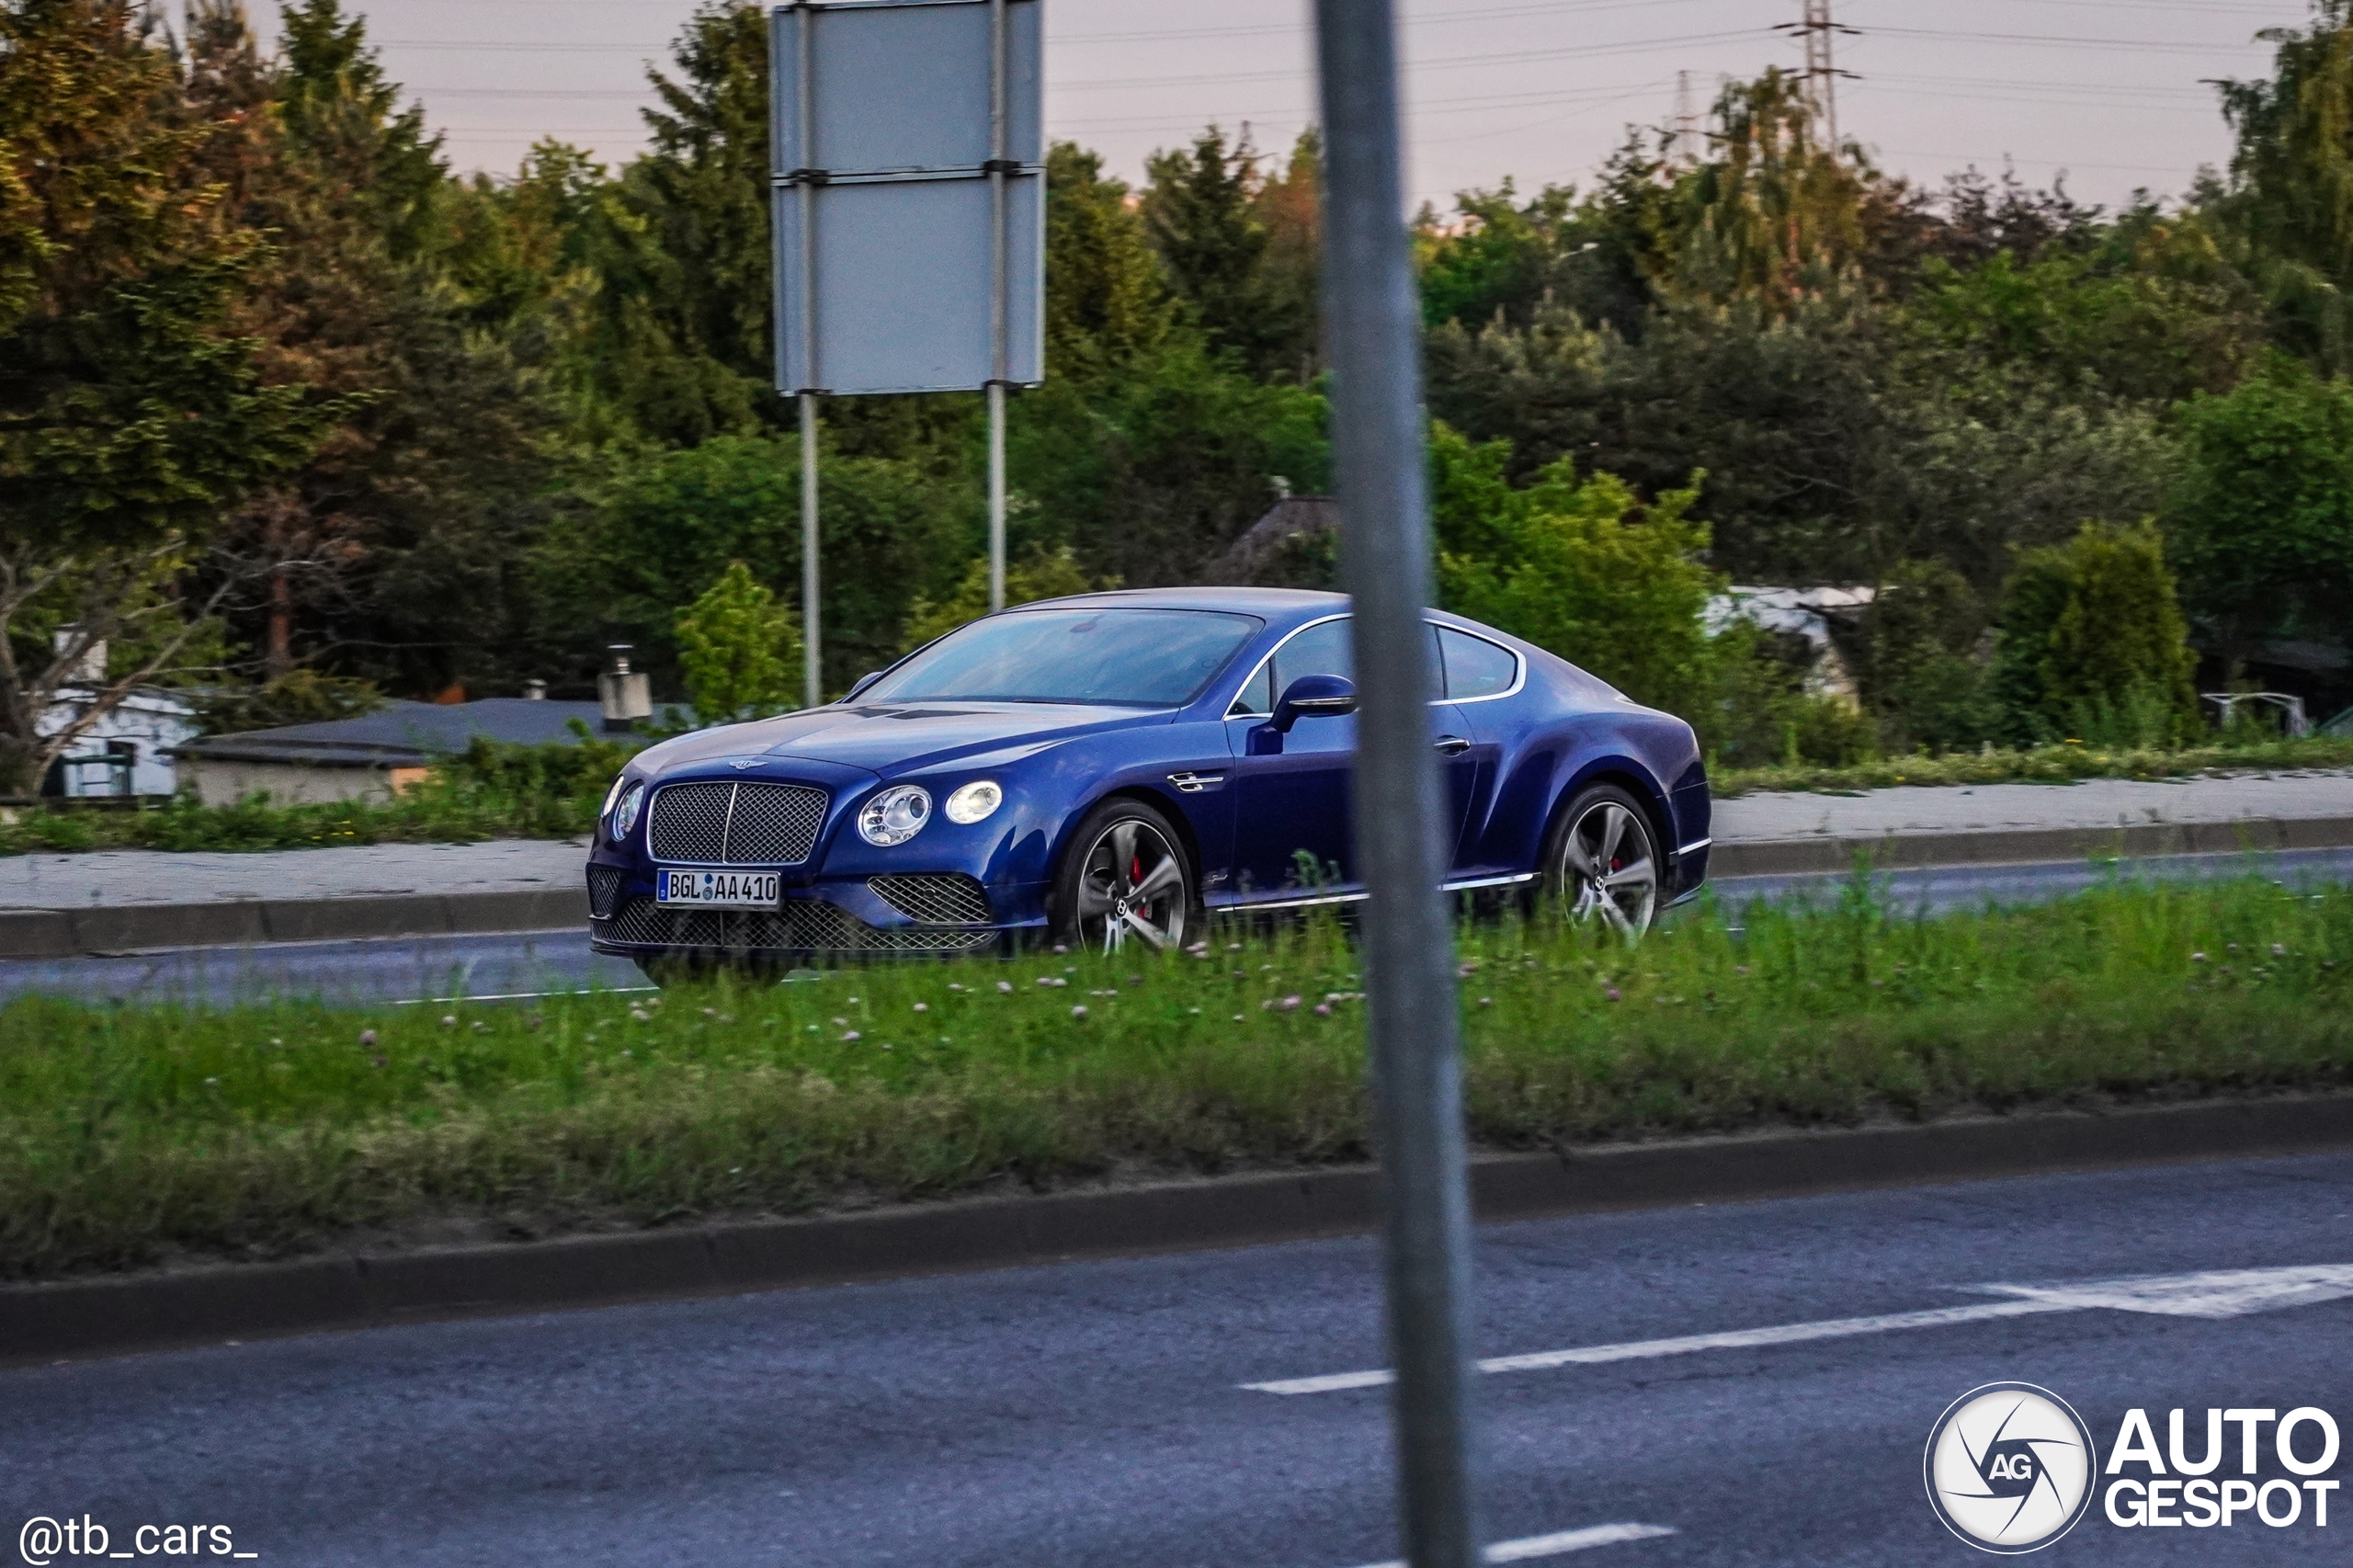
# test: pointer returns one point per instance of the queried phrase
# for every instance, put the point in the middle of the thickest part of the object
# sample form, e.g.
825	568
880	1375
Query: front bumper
899	915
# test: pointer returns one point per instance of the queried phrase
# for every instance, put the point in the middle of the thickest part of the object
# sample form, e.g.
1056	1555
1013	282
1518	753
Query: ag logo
2009	1468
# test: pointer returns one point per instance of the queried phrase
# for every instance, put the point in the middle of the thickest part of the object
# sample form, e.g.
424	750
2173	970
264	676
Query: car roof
1274	604
1281	608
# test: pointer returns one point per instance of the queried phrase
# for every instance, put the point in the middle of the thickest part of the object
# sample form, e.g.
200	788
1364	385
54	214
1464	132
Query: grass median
130	1136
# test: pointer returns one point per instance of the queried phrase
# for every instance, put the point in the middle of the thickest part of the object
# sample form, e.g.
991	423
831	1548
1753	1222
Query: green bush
2263	520
1920	674
2092	644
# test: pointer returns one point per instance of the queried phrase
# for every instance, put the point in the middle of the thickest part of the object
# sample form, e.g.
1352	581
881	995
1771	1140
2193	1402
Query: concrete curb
69	932
116	1316
1908	851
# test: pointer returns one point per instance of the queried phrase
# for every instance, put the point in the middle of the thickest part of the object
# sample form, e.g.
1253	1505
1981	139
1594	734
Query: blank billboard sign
909	195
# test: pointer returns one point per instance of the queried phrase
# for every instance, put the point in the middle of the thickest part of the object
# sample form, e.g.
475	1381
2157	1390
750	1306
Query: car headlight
624	813
974	801
894	817
612	794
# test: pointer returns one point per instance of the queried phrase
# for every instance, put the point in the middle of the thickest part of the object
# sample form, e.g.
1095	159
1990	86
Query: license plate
719	890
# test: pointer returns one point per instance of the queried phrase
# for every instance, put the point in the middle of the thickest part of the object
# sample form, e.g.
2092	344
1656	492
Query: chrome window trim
1269	658
1519	665
1518	679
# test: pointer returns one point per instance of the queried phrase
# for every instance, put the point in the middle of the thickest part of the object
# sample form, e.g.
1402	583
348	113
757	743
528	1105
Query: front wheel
1124	879
1601	863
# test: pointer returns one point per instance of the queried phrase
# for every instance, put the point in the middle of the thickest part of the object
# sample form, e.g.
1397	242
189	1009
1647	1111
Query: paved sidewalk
130	878
117	879
1994	808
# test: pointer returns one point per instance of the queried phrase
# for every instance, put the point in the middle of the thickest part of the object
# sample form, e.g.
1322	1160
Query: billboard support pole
997	283
1371	326
811	627
809	611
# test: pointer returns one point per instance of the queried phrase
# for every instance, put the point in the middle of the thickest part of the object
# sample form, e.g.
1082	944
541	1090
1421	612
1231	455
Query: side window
1319	650
1258	694
1475	666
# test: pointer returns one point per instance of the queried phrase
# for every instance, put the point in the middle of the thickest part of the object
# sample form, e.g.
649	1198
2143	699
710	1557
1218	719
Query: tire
1125	880
1601	862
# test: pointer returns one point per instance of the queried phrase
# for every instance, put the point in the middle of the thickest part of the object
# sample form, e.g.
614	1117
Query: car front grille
604	890
934	899
720	824
802	925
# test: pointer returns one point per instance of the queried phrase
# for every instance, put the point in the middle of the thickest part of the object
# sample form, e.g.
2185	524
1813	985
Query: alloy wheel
1133	887
1609	872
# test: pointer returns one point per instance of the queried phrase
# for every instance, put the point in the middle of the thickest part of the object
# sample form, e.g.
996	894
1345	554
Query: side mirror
869	678
1313	697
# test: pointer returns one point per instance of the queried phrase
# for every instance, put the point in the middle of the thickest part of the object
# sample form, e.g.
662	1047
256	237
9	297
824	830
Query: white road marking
523	996
1643	1350
1560	1544
2223	1294
2228	1293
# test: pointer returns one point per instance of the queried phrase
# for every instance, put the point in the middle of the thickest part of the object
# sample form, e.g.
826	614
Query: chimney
90	669
535	691
625	695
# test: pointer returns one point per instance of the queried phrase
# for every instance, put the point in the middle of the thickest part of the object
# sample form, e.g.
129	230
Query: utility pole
1822	72
1685	152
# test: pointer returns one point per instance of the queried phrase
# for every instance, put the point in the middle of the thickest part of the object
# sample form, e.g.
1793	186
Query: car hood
891	738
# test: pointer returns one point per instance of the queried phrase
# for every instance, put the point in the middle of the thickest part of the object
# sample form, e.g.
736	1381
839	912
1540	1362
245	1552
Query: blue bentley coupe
1116	768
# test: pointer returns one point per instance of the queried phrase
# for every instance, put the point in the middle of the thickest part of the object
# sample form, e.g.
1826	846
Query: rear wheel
1124	882
1602	863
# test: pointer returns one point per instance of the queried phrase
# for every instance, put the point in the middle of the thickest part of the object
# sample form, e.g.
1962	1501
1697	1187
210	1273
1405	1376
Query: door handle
1452	745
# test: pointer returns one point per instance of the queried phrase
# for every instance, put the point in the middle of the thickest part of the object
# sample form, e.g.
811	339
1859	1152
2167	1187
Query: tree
1046	574
2290	192
2262	521
668	523
1774	215
1240	248
1580	567
131	414
1107	301
737	648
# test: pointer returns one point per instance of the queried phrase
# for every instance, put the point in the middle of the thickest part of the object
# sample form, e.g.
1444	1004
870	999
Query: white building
1813	614
127	752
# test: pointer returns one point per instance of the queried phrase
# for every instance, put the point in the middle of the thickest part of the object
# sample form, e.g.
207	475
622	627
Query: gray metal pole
998	280
814	688
996	495
809	610
1372	329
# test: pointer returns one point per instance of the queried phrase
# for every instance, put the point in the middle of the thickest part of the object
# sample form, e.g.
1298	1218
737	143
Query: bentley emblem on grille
741	763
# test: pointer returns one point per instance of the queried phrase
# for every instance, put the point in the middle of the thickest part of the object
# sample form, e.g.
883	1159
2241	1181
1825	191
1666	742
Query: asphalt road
531	963
1090	1415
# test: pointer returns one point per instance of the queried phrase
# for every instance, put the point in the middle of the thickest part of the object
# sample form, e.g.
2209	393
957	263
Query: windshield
1139	658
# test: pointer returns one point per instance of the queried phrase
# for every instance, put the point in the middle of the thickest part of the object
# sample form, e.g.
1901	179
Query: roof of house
1286	519
402	735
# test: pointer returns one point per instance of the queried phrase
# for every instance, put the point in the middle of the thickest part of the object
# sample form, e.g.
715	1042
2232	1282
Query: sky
2110	93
